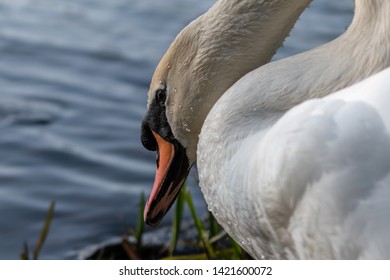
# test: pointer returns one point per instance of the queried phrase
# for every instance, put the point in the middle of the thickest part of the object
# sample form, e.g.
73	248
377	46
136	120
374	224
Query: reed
25	255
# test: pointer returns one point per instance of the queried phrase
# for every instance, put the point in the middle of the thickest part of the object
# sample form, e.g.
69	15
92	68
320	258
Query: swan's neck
244	34
252	27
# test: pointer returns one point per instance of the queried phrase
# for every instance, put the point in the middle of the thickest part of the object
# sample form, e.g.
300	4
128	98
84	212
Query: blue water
73	82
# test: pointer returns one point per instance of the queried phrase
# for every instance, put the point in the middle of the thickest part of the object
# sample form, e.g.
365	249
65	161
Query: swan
293	156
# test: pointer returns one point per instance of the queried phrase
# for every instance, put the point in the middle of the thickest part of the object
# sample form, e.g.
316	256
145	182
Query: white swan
310	183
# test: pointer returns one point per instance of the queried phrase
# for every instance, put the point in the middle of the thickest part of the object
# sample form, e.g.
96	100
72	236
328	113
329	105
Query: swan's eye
161	96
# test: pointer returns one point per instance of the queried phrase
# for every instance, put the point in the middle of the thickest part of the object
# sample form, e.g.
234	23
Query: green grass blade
198	224
45	230
140	222
237	248
214	226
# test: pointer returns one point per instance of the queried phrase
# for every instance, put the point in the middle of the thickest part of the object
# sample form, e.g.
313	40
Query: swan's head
173	120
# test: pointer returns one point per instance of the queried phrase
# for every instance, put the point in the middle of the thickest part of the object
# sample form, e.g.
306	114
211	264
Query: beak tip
148	216
152	219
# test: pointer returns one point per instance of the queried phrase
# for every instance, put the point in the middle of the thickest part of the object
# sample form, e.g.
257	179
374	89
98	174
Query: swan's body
289	181
314	183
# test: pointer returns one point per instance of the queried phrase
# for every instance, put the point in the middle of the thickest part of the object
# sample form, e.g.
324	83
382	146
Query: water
73	81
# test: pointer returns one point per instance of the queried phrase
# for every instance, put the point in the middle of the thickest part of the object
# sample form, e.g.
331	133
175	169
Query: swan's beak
171	173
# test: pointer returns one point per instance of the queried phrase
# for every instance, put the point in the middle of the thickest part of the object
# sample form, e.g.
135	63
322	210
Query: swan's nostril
147	138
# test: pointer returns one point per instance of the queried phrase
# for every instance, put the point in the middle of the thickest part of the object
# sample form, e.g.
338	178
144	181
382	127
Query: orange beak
171	172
